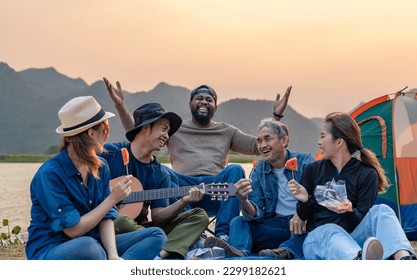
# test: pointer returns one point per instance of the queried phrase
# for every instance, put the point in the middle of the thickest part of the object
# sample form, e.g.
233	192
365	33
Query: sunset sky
335	54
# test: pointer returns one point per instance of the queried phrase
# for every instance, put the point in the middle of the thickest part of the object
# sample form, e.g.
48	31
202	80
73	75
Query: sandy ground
15	193
15	202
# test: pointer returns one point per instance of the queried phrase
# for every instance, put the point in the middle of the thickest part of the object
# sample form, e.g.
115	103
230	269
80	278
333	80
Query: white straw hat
80	114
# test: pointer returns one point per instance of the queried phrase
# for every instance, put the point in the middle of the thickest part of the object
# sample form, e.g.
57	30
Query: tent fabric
383	132
392	136
389	128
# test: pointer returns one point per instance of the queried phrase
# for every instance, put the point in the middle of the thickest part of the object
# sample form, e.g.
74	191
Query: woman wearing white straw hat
72	207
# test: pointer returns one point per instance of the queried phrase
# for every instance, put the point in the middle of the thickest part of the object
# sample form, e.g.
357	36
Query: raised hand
116	94
281	104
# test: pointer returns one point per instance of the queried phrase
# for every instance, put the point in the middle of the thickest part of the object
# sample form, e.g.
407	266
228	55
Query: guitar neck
148	195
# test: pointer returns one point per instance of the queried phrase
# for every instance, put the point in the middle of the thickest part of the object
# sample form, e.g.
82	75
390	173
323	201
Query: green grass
161	156
24	158
238	158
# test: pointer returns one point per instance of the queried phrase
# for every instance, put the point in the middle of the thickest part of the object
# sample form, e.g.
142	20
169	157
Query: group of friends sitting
80	197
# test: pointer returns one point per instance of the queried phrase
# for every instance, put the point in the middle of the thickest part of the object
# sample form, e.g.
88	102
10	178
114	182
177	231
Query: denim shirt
264	195
60	199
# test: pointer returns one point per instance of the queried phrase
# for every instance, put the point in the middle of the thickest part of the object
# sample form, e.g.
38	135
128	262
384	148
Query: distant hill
318	122
246	115
32	98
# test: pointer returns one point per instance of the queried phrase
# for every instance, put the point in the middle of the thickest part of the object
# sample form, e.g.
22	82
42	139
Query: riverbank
15	204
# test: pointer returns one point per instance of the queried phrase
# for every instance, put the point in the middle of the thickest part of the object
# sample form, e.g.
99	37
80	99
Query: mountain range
30	100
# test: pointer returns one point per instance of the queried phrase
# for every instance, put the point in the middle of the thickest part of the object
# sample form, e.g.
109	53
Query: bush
10	238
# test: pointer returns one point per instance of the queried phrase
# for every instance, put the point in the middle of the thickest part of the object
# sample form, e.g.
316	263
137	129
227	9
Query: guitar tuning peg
212	197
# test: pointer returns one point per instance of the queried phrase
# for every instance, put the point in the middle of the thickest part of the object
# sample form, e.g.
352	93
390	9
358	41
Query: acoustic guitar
132	205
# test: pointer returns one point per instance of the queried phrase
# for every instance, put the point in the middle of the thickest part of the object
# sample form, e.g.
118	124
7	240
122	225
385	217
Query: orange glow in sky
335	54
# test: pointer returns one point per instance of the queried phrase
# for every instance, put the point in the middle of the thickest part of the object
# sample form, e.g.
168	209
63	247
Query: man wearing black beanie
199	150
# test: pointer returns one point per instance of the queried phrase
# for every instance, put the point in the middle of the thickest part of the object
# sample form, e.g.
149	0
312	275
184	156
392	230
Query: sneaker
229	250
372	250
224	237
409	258
277	253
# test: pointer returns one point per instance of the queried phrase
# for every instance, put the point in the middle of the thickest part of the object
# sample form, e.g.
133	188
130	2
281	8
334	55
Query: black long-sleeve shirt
361	186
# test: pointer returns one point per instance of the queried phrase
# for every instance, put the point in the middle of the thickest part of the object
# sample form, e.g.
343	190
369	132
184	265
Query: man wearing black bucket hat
72	207
202	138
153	127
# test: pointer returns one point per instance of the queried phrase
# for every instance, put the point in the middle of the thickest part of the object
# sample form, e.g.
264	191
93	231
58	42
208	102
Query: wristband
278	116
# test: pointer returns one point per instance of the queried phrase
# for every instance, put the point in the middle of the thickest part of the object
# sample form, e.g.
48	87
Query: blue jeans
254	236
143	244
225	210
332	242
295	245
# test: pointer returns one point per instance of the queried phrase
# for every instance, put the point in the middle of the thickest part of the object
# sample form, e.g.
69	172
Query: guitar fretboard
215	190
147	195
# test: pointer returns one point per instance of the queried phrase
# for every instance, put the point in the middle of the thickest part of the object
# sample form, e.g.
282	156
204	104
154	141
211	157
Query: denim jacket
264	195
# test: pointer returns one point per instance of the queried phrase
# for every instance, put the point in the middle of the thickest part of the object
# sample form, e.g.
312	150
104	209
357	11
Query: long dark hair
344	127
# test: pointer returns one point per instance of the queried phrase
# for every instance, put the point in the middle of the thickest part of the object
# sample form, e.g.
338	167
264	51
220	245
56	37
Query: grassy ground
24	158
161	156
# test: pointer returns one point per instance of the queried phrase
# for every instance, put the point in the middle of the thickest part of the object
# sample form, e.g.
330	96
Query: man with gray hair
199	150
268	208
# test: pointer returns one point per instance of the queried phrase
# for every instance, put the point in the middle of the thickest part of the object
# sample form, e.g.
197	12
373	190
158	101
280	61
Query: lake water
15	201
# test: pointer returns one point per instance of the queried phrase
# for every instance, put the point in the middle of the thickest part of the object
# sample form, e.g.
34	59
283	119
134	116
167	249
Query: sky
335	54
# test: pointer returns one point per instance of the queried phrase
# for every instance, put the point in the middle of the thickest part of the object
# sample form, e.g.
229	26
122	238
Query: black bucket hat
150	113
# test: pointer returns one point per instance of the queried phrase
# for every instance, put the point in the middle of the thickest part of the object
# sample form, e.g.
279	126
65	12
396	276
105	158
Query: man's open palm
281	104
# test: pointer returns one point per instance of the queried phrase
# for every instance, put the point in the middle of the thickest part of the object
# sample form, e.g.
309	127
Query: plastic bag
333	196
199	244
205	254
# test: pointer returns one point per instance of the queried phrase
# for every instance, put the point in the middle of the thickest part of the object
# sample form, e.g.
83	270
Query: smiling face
158	134
328	145
272	148
202	106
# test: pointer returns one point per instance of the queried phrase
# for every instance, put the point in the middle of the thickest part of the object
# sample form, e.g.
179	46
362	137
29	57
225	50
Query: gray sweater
203	150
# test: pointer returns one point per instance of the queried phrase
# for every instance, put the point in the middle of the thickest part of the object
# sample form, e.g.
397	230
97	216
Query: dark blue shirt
59	199
152	175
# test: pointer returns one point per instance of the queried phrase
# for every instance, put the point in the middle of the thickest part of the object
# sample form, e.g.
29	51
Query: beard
202	119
